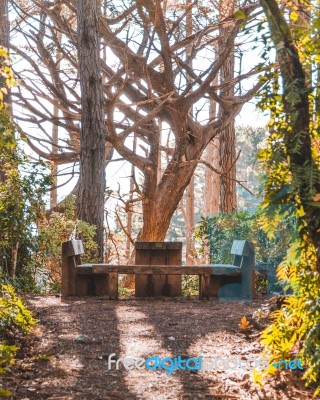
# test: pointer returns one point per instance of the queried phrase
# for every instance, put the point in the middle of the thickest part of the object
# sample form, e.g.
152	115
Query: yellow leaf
294	16
257	378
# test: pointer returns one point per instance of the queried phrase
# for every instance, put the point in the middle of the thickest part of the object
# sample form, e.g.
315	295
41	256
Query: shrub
14	316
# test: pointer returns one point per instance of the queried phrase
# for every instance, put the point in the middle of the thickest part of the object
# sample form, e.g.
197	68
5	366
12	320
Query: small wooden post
71	251
113	285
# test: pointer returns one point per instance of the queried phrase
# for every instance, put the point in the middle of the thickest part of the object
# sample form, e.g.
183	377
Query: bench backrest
240	249
72	248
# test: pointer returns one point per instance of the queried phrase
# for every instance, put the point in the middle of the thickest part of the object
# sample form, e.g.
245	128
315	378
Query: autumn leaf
245	325
317	197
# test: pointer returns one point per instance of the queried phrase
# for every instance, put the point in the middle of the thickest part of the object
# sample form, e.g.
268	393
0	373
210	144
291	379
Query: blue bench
236	280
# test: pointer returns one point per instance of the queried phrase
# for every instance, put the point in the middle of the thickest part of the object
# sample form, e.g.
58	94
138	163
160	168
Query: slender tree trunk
4	24
212	179
130	210
189	214
14	260
228	194
55	138
54	168
159	167
4	41
90	204
189	222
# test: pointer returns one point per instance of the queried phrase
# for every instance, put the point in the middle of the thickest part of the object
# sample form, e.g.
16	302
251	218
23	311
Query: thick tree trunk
90	204
161	202
150	230
228	194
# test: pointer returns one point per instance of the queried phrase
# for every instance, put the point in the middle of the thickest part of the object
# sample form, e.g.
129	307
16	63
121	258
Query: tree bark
90	202
228	190
189	210
55	137
189	222
212	179
4	24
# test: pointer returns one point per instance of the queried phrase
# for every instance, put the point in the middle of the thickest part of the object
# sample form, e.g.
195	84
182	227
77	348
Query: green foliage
218	233
295	331
55	229
222	229
190	285
296	326
14	316
6	81
30	241
13	313
22	187
7	354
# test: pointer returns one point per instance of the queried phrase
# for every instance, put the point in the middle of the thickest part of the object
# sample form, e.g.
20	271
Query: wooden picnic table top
159	269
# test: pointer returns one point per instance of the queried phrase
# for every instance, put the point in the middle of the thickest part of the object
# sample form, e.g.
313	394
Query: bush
14	316
216	234
53	230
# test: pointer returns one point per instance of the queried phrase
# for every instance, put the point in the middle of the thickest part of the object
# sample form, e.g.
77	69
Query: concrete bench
102	279
227	287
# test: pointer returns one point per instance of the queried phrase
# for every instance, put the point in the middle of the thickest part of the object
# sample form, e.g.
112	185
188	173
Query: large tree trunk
228	194
150	191
161	202
90	202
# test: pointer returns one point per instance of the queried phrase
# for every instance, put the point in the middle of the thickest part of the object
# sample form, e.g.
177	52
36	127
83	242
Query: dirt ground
67	359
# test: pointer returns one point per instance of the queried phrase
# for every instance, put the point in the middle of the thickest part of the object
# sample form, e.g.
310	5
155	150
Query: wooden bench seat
157	269
102	279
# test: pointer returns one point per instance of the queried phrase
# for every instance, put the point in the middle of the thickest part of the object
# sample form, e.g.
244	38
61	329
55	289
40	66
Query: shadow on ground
68	358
